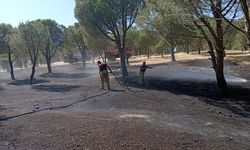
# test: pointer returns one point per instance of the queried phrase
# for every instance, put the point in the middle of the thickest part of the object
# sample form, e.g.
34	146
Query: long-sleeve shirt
103	67
143	68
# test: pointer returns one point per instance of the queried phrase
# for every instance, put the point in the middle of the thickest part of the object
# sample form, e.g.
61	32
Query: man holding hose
143	68
103	71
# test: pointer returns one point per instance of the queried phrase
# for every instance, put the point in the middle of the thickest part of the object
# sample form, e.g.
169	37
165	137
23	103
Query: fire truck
74	57
113	53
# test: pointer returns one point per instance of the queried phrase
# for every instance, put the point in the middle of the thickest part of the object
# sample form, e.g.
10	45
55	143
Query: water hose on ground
53	107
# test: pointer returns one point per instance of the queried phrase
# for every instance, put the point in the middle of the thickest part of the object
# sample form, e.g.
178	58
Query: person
103	71
143	68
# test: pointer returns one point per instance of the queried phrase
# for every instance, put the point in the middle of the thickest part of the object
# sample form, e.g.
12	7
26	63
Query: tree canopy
113	18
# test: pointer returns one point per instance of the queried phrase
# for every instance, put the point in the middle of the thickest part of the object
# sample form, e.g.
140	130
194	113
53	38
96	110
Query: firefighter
143	68
103	71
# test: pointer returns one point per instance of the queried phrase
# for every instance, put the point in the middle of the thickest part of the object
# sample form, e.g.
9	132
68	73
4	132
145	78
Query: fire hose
68	105
52	107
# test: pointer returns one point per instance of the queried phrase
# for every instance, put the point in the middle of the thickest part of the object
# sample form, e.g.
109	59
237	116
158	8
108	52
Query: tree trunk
210	45
222	84
12	71
199	51
48	61
83	63
121	46
71	58
187	49
245	9
173	53
247	35
25	63
123	62
221	81
11	67
220	51
83	57
93	60
127	60
32	73
148	54
198	45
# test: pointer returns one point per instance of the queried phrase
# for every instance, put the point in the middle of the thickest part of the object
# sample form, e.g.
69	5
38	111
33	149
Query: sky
16	11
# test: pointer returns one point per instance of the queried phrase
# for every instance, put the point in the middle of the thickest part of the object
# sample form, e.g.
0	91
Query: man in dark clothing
103	71
142	72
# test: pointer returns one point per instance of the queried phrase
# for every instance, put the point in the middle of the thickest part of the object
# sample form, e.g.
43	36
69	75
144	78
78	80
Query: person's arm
149	67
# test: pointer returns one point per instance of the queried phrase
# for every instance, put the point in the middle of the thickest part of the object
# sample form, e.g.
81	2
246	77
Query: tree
6	31
245	9
54	39
245	13
161	46
74	39
169	22
205	14
233	6
133	40
147	40
235	39
34	35
113	18
19	49
91	37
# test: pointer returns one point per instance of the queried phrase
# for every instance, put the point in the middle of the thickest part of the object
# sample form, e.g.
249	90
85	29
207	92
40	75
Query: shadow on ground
1	89
65	75
86	68
237	99
2	109
205	63
55	87
27	82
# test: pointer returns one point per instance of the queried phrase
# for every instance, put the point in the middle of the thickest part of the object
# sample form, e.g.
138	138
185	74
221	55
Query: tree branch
228	21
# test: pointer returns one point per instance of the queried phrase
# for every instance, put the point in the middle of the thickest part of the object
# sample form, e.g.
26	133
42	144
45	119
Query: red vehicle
112	54
74	57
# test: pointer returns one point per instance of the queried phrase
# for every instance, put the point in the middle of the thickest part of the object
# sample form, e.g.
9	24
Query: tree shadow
2	89
240	58
2	109
55	87
237	99
65	75
206	63
87	68
27	82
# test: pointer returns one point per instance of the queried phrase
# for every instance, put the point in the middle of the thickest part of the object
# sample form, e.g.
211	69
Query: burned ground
166	113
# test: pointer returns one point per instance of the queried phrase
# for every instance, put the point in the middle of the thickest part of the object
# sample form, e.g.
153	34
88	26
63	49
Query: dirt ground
179	108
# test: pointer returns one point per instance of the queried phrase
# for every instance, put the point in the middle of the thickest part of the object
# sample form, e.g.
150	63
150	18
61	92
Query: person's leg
102	80
106	77
143	81
107	80
140	82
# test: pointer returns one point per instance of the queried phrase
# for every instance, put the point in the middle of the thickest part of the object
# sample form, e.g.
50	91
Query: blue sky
16	11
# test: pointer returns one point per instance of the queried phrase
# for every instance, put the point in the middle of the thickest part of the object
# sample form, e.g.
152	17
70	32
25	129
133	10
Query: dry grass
157	59
237	56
